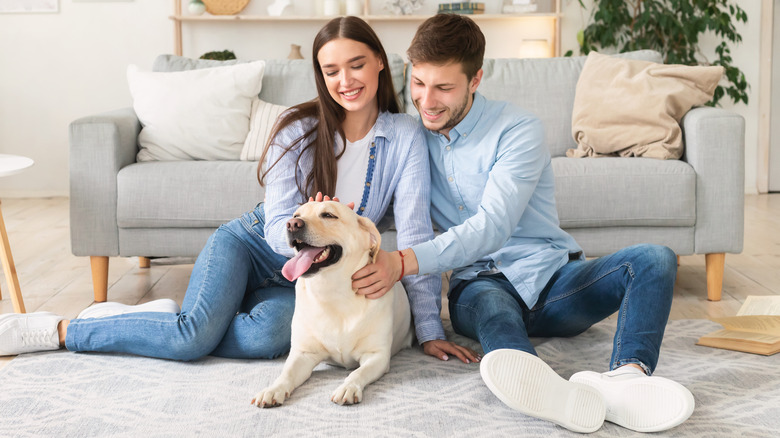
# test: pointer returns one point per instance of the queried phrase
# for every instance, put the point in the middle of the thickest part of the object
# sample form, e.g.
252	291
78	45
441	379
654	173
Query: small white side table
10	165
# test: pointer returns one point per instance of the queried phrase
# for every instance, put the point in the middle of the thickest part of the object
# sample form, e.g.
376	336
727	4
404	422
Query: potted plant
224	55
673	28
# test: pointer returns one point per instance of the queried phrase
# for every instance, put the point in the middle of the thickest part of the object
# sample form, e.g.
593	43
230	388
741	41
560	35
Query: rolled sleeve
412	214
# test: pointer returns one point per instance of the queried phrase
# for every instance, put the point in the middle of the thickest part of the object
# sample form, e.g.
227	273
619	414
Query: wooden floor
53	280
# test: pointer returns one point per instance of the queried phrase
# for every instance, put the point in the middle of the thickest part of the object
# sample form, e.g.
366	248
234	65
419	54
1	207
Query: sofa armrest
100	146
715	147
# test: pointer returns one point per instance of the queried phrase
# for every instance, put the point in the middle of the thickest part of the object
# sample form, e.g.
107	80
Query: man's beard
458	113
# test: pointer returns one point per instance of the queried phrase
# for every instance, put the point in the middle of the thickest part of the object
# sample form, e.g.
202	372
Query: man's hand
320	198
439	348
376	279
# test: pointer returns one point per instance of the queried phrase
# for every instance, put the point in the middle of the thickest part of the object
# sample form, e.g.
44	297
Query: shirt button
450	179
498	263
362	208
448	148
368	184
465	135
460	207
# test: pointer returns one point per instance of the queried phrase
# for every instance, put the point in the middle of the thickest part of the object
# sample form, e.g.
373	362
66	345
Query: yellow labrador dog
331	322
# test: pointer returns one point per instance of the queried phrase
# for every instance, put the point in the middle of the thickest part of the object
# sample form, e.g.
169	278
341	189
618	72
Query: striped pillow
261	123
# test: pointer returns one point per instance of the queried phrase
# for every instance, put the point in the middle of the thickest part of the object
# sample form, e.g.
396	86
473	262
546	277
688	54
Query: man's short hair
446	38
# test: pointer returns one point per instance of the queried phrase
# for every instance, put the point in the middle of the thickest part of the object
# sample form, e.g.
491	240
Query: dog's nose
294	224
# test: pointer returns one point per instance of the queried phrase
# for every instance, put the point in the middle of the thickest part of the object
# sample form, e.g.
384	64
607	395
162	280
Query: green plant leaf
673	28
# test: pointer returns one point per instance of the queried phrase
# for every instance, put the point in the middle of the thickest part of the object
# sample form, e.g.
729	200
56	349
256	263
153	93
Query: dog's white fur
331	322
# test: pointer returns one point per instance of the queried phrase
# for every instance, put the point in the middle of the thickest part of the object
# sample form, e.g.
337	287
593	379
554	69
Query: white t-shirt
352	169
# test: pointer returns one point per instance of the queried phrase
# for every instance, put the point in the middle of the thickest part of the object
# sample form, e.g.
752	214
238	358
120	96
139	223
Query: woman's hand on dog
440	348
320	198
376	279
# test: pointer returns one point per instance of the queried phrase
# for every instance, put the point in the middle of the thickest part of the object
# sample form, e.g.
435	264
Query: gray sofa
120	207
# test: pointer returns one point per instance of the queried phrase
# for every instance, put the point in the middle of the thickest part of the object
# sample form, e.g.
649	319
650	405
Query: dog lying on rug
331	322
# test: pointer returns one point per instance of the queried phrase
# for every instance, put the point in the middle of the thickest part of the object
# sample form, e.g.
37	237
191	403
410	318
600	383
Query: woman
350	141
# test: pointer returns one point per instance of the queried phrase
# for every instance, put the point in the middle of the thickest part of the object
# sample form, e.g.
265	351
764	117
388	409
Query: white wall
55	68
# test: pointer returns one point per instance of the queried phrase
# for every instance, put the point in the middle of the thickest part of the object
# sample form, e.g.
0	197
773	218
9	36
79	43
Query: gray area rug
67	394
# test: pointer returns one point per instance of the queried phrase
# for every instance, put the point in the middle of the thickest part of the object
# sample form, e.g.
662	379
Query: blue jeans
637	282
237	305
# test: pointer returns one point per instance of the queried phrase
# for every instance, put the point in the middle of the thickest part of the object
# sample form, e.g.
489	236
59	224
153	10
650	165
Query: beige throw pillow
633	108
261	123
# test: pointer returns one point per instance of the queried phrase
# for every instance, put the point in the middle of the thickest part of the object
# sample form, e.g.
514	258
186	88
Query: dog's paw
347	393
271	397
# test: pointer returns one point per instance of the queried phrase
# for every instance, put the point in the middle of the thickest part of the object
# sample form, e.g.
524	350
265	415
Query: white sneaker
101	310
28	332
638	402
525	383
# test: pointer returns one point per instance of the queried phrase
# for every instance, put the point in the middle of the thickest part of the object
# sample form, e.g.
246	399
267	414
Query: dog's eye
327	215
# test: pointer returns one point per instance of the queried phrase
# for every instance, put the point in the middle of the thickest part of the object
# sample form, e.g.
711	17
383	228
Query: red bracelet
402	265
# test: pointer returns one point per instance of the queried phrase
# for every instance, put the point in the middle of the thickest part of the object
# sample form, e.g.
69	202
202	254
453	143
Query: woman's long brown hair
329	115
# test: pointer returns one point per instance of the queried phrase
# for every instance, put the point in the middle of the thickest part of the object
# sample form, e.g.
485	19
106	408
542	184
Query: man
516	273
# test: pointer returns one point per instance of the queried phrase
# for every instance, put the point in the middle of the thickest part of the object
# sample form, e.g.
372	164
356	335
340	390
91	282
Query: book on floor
755	329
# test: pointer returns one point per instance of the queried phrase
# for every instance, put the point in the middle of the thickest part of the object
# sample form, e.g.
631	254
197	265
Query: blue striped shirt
493	192
401	174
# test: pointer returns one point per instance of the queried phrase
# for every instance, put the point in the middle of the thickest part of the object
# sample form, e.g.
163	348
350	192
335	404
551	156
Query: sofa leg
144	262
99	277
715	263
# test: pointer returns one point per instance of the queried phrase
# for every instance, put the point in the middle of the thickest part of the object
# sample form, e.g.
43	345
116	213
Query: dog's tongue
298	265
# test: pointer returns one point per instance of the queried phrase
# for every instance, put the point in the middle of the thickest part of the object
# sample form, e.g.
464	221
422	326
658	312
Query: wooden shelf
294	18
179	18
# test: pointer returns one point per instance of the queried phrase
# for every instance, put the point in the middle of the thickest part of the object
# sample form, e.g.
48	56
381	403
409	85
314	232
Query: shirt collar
466	125
384	126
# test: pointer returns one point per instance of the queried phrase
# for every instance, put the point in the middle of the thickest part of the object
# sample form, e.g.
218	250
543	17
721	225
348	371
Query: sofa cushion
187	194
279	74
543	86
261	123
195	114
633	108
607	192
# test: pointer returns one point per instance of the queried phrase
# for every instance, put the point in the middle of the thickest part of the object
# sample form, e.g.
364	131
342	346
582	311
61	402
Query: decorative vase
402	7
277	8
354	7
295	52
196	7
330	8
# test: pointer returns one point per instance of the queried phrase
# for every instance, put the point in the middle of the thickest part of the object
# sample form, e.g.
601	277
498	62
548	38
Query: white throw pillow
261	123
194	114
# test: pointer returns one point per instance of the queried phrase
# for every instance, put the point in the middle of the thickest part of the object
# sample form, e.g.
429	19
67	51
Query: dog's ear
376	239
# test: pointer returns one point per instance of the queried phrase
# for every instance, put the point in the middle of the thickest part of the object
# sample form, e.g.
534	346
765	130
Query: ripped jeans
237	305
637	282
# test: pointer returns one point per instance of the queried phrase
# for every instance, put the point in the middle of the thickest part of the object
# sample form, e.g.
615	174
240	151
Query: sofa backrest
285	81
543	86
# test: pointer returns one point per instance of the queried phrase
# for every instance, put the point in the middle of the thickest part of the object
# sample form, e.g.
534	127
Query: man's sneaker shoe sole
101	310
643	404
525	383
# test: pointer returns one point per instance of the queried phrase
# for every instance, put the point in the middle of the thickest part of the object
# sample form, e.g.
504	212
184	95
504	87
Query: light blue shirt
400	174
492	191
